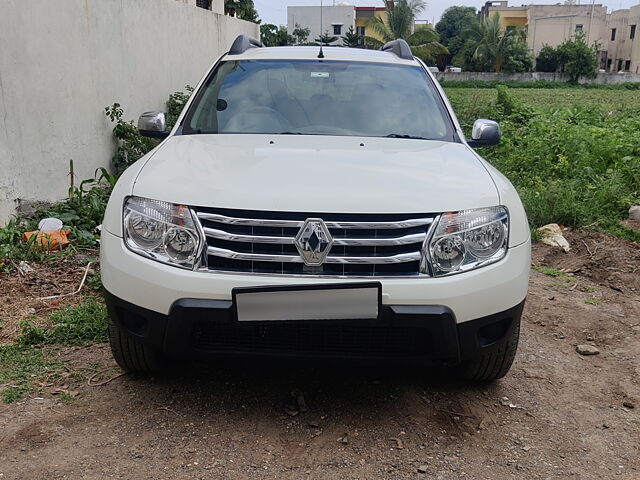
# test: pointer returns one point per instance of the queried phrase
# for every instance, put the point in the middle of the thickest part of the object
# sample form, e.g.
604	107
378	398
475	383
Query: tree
547	60
269	34
301	34
399	23
518	58
351	38
272	36
490	44
243	9
577	58
326	39
452	27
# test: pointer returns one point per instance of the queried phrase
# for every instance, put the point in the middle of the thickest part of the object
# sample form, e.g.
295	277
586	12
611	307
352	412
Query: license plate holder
347	301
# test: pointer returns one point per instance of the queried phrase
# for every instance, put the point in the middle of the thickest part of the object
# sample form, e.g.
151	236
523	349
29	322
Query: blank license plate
347	302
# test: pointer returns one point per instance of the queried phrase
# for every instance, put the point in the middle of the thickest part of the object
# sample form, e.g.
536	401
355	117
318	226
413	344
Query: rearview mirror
484	134
153	125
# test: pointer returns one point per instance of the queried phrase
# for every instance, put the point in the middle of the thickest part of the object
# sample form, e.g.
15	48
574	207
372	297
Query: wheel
494	362
131	354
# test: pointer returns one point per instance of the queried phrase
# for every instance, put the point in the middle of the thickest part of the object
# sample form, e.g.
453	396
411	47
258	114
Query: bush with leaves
547	60
577	166
131	144
577	58
175	105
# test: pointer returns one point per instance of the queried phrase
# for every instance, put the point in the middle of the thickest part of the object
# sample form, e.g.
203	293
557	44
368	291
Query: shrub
547	60
131	144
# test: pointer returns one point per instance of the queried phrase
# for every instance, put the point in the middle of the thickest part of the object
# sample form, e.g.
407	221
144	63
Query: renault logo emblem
313	241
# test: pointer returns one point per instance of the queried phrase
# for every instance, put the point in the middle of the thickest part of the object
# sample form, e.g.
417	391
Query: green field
573	154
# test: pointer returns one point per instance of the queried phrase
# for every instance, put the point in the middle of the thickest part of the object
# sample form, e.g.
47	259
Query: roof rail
244	43
400	48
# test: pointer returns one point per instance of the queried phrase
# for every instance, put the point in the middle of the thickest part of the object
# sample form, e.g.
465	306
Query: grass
572	154
21	368
28	363
77	325
552	272
592	301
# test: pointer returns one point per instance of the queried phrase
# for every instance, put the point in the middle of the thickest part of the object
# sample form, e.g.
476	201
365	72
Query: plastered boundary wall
63	61
601	78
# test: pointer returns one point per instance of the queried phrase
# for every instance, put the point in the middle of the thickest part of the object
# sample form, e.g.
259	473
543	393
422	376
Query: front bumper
157	287
197	328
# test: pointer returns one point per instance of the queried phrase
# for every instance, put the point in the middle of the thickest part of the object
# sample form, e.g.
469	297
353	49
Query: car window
319	98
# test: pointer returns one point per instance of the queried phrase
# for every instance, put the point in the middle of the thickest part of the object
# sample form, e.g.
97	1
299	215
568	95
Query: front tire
495	362
132	355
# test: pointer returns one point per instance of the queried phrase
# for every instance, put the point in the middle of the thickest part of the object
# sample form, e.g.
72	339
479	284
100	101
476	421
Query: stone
587	350
423	469
634	213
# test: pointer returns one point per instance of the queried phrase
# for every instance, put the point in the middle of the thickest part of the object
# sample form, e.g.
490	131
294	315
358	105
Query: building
623	41
336	20
615	32
216	6
363	15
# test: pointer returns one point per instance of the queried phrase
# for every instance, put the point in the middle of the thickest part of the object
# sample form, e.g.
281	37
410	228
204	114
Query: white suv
316	202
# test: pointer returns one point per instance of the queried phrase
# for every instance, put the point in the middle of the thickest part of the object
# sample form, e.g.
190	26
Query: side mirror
484	134
153	125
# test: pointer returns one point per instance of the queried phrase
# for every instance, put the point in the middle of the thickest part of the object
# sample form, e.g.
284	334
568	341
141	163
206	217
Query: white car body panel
470	295
317	174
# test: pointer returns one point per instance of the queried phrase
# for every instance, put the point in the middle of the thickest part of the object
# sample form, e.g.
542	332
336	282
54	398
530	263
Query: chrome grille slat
262	222
236	237
261	257
363	245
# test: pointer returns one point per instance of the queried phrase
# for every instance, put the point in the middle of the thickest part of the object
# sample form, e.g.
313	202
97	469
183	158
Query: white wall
63	61
309	17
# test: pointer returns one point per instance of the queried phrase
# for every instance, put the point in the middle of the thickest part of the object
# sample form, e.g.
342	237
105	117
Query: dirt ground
557	414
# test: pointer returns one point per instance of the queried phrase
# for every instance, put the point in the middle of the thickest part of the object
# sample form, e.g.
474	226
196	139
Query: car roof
330	53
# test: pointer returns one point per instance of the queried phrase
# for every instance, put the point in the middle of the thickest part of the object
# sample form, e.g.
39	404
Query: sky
275	11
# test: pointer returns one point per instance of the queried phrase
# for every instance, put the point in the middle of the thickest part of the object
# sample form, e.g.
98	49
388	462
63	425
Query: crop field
573	154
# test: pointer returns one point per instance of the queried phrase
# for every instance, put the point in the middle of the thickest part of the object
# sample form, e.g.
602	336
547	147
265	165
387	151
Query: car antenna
321	54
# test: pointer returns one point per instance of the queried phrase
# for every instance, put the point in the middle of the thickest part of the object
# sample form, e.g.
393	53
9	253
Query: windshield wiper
291	133
412	137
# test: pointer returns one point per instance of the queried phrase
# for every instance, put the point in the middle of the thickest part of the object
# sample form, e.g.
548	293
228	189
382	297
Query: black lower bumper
205	328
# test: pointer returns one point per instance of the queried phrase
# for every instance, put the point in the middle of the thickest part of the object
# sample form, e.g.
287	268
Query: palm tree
490	43
401	15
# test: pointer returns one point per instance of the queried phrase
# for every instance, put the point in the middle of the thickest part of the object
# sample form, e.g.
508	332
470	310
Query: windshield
319	98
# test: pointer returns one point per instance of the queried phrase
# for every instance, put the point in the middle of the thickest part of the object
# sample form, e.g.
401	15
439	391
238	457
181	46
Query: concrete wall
602	78
309	17
63	61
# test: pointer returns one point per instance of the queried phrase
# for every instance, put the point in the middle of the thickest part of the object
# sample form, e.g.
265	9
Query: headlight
469	239
162	231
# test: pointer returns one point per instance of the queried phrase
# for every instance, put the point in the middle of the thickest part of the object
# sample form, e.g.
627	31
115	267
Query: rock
300	401
423	469
587	350
314	423
634	213
291	410
551	235
629	404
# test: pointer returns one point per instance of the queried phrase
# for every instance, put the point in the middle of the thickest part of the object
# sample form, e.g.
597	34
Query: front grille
313	339
367	245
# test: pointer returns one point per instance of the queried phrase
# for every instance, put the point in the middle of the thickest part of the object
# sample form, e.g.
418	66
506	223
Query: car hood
302	173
